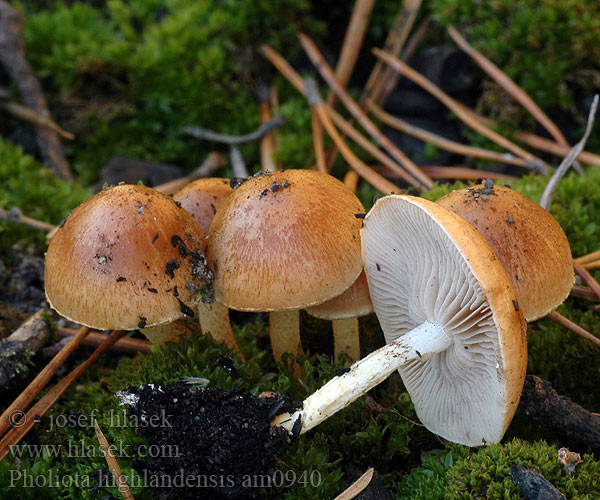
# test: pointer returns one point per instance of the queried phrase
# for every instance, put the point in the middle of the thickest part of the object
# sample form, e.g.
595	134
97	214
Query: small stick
267	142
456	173
113	465
450	103
587	278
590	257
211	163
94	339
296	80
415	41
583	292
442	142
317	131
393	44
509	85
569	159
209	135
319	61
40	381
238	165
535	141
15	215
574	327
357	487
31	116
351	180
361	169
12	58
592	265
37	411
352	43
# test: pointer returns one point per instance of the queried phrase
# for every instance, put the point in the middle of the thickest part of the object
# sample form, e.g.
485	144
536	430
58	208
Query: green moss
548	47
146	70
484	475
28	185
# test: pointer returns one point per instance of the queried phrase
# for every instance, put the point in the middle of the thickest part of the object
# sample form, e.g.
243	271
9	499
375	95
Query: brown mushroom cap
202	198
285	240
353	303
127	258
528	241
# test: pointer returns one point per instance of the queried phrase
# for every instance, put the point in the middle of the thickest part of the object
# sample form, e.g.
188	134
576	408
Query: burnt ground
22	286
211	438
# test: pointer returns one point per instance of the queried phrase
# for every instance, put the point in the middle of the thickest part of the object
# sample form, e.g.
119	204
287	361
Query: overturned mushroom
285	241
127	258
446	308
201	199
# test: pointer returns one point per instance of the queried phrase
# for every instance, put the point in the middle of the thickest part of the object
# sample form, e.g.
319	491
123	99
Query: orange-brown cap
202	198
353	303
127	258
528	241
285	240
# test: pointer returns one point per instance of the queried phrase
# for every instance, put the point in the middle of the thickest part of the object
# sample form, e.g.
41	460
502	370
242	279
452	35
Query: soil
22	287
211	438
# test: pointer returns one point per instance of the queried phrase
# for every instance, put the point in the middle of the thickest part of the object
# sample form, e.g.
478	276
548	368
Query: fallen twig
509	85
317	131
361	169
12	58
39	382
574	327
587	278
590	257
465	117
569	159
296	80
209	135
113	465
357	487
238	165
19	347
15	215
267	141
94	339
352	43
584	292
442	142
540	402
454	173
37	411
535	141
533	485
319	61
31	116
382	80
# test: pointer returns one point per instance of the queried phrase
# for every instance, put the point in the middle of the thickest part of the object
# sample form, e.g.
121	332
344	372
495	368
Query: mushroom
127	258
284	241
201	199
343	311
446	309
528	241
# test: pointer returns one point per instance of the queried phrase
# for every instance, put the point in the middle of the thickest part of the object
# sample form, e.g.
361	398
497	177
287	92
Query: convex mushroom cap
127	258
528	241
203	197
285	240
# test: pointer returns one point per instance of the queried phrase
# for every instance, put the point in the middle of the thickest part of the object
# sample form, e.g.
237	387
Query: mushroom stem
420	343
284	328
346	338
214	320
